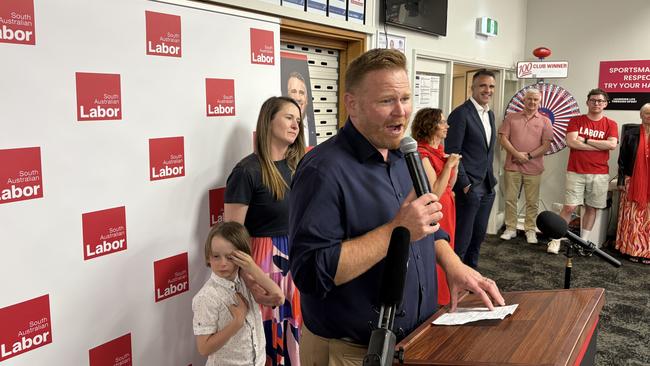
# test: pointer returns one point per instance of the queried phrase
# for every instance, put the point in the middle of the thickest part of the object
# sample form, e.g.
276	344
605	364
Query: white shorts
588	189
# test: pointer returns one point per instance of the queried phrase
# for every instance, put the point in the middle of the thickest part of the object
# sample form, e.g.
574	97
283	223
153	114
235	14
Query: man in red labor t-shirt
590	137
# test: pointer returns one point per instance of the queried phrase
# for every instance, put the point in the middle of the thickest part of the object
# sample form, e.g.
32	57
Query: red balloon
541	52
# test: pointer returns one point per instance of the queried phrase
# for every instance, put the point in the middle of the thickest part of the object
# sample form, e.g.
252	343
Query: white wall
461	42
585	32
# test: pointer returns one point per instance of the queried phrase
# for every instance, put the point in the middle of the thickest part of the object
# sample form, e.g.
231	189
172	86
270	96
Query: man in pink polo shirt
526	136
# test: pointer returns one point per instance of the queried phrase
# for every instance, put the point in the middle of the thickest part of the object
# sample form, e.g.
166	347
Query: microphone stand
568	266
381	348
554	226
583	252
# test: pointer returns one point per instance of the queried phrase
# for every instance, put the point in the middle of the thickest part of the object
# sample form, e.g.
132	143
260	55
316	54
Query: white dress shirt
485	119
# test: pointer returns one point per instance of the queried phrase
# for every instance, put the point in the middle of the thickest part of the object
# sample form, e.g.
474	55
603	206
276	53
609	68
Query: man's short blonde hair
375	59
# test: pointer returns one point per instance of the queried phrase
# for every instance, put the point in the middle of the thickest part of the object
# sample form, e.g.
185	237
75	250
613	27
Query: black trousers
472	215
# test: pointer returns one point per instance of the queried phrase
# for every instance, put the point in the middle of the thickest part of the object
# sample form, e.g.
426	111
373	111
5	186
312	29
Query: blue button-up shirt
341	190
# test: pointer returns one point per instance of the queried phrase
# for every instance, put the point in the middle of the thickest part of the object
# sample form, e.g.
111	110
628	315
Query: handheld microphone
554	226
381	348
409	147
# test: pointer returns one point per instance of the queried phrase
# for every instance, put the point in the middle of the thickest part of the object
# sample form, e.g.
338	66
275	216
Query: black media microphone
381	348
409	147
554	226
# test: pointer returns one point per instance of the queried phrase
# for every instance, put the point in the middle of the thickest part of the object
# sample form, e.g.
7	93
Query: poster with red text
163	34
262	47
25	327
626	82
171	276
99	97
113	353
17	23
104	232
220	97
216	205
166	158
21	177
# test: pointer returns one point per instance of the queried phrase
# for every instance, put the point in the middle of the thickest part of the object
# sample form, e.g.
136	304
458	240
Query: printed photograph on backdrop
296	84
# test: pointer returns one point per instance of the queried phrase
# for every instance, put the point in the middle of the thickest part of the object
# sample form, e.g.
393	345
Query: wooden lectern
554	327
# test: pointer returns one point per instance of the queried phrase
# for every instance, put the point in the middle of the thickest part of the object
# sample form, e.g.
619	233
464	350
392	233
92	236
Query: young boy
227	318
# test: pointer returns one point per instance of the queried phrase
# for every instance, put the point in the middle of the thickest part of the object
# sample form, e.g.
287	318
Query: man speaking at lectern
347	196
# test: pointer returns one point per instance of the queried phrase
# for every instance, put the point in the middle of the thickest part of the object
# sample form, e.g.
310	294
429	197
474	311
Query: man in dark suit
472	134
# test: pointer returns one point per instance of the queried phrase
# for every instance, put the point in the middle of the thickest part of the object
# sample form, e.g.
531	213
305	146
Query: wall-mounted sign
626	82
487	27
391	41
542	69
426	91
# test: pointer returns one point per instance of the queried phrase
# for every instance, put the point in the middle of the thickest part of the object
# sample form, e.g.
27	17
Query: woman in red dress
633	233
429	130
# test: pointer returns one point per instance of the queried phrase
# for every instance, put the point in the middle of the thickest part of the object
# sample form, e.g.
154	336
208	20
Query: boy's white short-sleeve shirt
211	314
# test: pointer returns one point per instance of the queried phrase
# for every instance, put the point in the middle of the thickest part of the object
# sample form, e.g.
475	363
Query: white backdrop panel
91	166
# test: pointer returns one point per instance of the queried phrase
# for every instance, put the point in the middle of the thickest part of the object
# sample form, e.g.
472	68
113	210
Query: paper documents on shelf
467	315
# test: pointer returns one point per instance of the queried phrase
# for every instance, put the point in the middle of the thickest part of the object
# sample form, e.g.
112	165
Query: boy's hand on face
245	262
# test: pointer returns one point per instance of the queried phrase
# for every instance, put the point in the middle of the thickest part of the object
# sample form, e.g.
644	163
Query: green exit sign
487	27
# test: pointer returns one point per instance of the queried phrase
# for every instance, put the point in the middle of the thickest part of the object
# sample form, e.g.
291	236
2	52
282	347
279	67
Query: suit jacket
627	153
466	136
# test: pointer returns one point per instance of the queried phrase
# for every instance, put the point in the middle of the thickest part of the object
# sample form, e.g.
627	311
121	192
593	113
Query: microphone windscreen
552	225
408	145
392	282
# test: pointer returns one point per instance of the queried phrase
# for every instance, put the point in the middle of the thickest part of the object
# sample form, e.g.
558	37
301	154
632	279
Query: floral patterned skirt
282	324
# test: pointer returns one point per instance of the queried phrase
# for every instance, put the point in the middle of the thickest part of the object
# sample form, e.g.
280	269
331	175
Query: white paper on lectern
467	315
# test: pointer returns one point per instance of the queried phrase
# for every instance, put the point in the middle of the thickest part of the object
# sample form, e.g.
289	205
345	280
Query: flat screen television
428	16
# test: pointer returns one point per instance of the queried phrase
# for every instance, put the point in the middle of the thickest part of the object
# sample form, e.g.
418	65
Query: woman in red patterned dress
633	232
429	130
